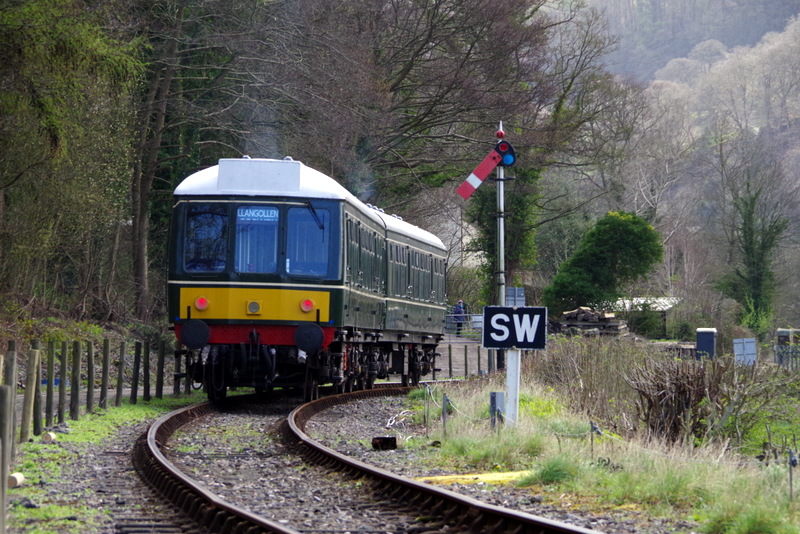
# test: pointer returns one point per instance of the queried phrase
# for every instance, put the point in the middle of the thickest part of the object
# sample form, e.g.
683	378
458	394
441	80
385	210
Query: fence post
37	393
162	348
497	403
62	383
10	376
188	377
450	360
31	376
176	384
75	382
89	377
137	362
120	373
466	362
7	410
51	376
38	428
146	364
104	375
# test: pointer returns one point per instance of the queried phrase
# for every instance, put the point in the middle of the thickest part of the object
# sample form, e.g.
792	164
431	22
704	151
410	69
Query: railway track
449	510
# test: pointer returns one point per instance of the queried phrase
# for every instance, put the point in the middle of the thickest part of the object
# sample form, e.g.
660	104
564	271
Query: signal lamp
201	303
507	155
306	305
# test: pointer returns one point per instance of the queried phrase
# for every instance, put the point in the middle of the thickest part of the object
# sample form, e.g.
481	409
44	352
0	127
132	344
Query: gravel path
101	477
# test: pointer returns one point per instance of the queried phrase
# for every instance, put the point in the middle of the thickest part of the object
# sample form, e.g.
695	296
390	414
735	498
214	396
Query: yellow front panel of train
254	304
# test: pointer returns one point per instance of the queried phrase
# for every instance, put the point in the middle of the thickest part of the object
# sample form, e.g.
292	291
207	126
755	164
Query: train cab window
307	241
256	248
205	248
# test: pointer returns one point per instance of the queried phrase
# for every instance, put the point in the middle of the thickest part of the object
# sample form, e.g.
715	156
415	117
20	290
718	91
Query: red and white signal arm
502	154
514	327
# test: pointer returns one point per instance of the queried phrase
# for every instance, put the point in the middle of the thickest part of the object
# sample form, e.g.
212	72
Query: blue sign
257	214
512	327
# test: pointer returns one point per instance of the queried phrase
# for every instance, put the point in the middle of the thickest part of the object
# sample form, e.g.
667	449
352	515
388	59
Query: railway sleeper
450	513
218	520
194	507
401	493
180	497
481	523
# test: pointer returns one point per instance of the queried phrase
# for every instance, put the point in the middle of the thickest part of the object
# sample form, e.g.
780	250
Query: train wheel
217	394
216	388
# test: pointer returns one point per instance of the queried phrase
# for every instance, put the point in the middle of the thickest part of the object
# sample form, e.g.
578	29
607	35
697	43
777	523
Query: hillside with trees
107	105
653	32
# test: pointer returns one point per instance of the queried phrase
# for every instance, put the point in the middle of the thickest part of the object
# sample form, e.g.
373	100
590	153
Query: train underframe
354	360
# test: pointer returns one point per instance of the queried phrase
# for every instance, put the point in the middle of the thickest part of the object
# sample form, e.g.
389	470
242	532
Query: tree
398	94
761	200
520	222
197	105
619	249
578	116
65	77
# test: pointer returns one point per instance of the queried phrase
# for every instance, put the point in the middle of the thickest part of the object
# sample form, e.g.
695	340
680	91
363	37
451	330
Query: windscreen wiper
315	215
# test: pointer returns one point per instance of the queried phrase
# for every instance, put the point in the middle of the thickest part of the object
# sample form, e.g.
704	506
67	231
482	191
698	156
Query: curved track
456	513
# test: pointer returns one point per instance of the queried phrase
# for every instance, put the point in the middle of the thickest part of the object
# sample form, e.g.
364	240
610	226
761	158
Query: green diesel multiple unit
279	277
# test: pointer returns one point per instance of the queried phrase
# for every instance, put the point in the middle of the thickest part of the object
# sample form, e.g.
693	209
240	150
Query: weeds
582	380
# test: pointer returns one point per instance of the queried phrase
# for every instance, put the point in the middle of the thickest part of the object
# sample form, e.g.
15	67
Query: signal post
510	329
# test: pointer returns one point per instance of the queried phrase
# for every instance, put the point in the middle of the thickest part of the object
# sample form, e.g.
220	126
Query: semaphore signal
502	155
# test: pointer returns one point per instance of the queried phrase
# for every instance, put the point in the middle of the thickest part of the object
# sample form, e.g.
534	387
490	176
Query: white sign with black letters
523	327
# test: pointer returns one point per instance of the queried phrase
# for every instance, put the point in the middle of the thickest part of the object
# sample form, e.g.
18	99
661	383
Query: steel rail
460	512
199	504
455	512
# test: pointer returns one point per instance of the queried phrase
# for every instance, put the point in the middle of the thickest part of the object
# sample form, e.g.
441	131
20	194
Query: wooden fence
77	367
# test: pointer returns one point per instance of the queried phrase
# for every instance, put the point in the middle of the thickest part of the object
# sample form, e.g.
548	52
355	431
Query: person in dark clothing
459	316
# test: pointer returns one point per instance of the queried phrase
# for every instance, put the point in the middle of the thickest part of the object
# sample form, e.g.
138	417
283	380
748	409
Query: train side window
256	239
307	241
205	244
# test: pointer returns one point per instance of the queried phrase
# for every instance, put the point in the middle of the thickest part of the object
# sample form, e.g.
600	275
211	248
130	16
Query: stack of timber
588	321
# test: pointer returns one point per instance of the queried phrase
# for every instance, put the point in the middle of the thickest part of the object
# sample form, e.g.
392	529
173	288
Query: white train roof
285	178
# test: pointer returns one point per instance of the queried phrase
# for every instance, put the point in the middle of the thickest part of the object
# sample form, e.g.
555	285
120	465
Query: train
281	278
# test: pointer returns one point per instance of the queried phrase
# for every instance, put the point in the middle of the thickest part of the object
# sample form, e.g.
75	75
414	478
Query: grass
721	491
41	462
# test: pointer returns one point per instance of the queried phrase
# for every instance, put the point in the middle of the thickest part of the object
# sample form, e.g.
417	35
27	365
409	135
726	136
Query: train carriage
278	276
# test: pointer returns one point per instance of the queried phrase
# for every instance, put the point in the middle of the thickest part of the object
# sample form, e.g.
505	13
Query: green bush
552	471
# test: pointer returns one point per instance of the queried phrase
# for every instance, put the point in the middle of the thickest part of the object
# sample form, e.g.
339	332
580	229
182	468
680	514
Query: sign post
514	328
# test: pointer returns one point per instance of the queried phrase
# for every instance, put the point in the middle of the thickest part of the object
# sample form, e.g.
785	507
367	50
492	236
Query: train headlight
306	305
201	303
253	307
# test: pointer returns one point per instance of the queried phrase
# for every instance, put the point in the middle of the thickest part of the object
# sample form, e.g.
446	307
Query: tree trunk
153	119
